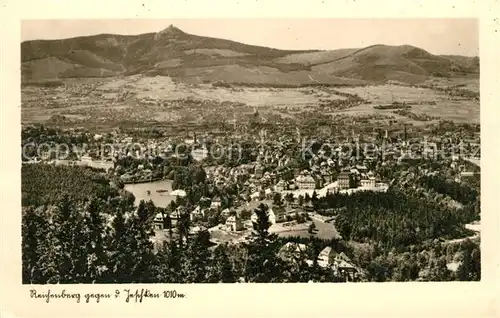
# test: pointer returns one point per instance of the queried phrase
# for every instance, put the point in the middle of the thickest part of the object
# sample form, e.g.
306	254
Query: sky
438	36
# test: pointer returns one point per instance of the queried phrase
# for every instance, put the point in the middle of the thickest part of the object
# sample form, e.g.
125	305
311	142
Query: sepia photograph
250	151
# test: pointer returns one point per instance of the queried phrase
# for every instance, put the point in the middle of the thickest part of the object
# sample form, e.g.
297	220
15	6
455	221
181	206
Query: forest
393	219
461	193
98	241
78	228
43	184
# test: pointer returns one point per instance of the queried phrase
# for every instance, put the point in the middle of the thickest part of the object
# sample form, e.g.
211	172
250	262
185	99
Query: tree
222	271
307	198
438	272
289	198
262	263
312	228
314	200
49	251
198	258
314	197
301	200
34	232
261	224
277	199
167	223
470	267
168	264
183	226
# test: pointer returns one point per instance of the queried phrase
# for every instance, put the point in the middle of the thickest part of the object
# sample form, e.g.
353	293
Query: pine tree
49	250
222	270
96	257
198	258
263	264
168	264
277	199
301	200
183	226
34	227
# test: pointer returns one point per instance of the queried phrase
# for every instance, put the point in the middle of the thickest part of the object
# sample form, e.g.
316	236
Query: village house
345	180
292	252
268	193
279	214
280	186
467	175
197	213
259	171
158	222
176	215
234	223
324	257
368	180
305	181
326	175
343	266
226	213
216	203
199	154
127	178
255	195
178	193
362	168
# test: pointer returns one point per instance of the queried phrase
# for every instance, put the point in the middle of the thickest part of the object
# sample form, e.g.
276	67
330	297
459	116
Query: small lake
140	191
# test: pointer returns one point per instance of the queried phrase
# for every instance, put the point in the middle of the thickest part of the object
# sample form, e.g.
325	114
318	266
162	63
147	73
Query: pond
160	199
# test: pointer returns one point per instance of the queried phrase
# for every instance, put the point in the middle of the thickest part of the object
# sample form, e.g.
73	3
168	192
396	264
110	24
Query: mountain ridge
192	58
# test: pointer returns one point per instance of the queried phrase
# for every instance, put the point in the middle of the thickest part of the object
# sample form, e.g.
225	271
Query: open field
386	94
163	88
428	102
457	111
161	99
470	83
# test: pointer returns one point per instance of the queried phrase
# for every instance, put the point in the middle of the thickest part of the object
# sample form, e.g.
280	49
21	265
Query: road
475	161
474	227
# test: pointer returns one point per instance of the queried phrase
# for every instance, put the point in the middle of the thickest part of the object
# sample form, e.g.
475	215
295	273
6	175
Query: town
170	157
282	175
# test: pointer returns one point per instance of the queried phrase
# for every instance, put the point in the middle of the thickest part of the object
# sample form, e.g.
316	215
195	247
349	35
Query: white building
368	181
199	154
158	221
178	193
233	224
280	186
324	257
305	181
216	203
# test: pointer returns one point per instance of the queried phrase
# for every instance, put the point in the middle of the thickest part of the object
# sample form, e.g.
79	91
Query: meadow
163	100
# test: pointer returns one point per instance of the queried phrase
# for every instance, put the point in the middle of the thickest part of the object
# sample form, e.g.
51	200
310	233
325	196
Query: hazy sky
438	36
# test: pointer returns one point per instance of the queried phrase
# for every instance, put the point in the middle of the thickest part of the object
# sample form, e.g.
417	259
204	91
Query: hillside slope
403	63
193	58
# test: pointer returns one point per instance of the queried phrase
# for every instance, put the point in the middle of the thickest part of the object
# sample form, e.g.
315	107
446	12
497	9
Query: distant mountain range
197	59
